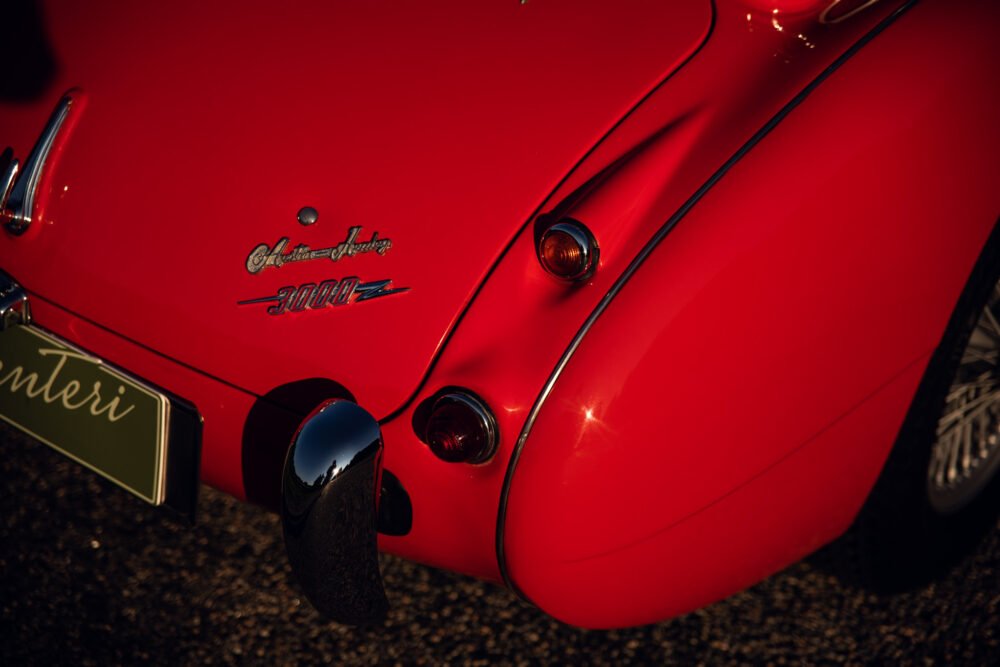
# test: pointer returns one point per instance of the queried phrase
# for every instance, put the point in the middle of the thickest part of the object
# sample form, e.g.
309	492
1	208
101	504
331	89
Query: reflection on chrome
20	201
329	512
825	15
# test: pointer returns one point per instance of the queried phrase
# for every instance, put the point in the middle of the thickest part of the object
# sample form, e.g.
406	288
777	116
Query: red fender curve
730	409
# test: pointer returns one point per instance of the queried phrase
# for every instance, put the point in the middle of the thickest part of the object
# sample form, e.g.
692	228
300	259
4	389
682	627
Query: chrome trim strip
641	258
21	202
8	173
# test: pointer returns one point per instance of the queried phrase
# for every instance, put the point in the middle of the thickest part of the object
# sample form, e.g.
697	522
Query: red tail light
461	429
568	250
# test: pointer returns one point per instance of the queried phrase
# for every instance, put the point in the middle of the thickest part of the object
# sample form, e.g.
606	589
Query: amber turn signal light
461	429
568	250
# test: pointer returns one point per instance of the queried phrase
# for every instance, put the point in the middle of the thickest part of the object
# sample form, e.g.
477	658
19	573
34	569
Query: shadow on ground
91	575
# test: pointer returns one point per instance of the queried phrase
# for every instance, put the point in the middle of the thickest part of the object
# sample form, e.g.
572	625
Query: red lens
562	254
460	429
568	251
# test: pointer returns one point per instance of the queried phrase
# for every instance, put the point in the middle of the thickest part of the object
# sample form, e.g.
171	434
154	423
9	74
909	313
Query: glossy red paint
753	345
522	321
775	519
797	287
442	126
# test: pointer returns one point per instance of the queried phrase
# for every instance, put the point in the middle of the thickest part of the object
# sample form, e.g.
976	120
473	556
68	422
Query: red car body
788	196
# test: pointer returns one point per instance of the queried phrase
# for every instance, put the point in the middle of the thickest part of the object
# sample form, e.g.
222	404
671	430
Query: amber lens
562	255
457	433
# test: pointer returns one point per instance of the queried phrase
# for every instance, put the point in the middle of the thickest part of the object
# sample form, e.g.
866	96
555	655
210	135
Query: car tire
917	521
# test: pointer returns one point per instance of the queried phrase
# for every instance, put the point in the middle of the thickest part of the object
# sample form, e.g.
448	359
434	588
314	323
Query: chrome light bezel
584	239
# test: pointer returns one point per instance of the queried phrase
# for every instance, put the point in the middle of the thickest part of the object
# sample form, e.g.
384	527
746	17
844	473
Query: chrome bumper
329	512
14	308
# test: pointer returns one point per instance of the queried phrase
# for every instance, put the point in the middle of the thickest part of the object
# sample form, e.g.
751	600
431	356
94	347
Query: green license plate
77	404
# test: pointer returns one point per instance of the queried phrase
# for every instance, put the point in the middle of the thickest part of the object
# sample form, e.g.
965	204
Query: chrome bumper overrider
329	512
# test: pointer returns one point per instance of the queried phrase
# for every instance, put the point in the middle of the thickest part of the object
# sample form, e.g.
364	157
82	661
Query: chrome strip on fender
638	261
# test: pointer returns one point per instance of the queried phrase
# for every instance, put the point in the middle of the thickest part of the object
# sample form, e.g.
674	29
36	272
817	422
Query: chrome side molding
20	183
8	173
14	307
329	512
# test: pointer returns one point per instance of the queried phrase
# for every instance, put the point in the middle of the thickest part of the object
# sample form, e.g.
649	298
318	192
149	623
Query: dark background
91	575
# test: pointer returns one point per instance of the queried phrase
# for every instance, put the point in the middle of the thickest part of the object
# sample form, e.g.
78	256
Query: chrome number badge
293	299
263	255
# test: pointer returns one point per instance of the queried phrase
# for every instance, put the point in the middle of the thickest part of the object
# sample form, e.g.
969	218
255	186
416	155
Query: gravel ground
90	575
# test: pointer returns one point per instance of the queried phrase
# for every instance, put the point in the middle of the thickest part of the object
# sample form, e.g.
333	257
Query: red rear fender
743	388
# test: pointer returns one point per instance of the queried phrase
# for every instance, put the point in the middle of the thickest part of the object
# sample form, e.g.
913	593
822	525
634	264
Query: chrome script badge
293	299
280	254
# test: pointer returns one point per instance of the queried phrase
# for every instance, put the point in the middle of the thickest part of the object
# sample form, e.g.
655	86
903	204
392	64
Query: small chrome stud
308	215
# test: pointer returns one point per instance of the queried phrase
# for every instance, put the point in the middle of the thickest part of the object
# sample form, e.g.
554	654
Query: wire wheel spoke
968	431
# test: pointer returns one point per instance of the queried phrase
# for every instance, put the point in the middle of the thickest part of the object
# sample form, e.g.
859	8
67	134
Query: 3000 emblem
293	299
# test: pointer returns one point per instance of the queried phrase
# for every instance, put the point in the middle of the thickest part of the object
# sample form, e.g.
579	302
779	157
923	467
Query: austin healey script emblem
280	254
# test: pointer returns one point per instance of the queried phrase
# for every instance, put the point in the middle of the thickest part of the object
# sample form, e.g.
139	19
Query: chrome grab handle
14	307
20	183
329	512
